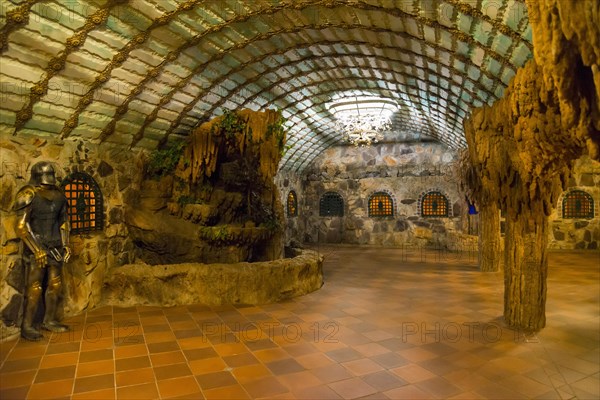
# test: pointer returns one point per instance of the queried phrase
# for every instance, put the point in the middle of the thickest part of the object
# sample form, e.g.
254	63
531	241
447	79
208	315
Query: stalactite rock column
490	241
525	272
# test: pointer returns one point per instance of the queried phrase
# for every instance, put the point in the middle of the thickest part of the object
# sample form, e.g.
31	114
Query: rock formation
523	147
213	199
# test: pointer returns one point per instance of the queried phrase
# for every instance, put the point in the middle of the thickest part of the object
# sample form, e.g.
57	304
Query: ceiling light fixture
362	119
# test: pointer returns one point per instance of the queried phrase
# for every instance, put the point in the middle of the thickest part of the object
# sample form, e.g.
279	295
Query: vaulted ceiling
143	73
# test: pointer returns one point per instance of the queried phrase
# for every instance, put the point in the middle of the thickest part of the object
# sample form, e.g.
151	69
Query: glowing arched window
578	204
381	205
331	205
434	204
85	202
292	204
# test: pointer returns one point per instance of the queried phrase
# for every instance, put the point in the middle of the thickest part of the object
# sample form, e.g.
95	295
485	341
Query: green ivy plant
231	124
277	128
272	224
162	162
215	234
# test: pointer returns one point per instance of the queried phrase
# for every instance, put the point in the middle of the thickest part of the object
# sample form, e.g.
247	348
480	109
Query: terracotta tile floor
386	324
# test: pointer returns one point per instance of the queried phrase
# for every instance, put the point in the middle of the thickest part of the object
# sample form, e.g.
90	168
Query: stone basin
214	284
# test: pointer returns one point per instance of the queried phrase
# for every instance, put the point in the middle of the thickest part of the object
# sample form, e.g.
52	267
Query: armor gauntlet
24	199
64	236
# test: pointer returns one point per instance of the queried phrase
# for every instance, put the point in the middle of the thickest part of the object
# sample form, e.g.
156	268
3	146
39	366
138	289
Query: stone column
525	271
490	241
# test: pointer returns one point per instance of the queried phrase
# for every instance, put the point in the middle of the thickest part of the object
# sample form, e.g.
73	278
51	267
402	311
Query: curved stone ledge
214	284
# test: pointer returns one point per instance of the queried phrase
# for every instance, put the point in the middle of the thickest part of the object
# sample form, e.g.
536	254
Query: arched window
292	204
434	204
381	204
578	204
331	205
85	202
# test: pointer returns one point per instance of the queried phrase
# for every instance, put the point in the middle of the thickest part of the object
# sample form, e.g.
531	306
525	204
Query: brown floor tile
230	349
23	352
20	365
371	349
390	360
130	351
125	364
317	392
14	393
160	337
270	355
168	358
496	391
199	354
300	380
17	379
331	373
383	380
156	328
178	387
135	377
315	360
95	355
204	366
215	379
194	343
250	373
228	392
89	345
265	387
528	387
240	360
95	368
104	394
55	374
300	349
363	366
92	383
439	387
60	348
142	392
344	354
128	340
51	390
412	392
162	347
352	388
260	344
172	371
285	366
59	360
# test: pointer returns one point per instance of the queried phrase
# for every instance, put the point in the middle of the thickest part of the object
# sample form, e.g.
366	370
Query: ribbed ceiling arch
145	72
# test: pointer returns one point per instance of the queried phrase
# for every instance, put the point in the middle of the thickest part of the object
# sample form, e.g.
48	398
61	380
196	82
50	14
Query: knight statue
43	226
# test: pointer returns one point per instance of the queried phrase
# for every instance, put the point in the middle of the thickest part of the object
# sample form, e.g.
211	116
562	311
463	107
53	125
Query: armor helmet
42	173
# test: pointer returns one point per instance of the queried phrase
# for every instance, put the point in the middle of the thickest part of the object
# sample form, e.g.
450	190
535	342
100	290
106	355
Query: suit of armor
43	225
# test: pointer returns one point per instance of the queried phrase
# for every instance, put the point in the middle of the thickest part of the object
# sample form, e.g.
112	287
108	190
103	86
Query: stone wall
117	173
405	171
578	233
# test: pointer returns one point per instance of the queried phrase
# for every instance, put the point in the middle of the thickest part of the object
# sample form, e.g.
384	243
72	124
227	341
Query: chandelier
362	119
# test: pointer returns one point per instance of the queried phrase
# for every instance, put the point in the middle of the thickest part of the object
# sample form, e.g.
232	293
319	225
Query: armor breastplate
46	209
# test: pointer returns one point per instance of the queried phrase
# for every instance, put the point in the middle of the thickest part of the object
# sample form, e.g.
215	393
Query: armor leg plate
28	331
52	297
